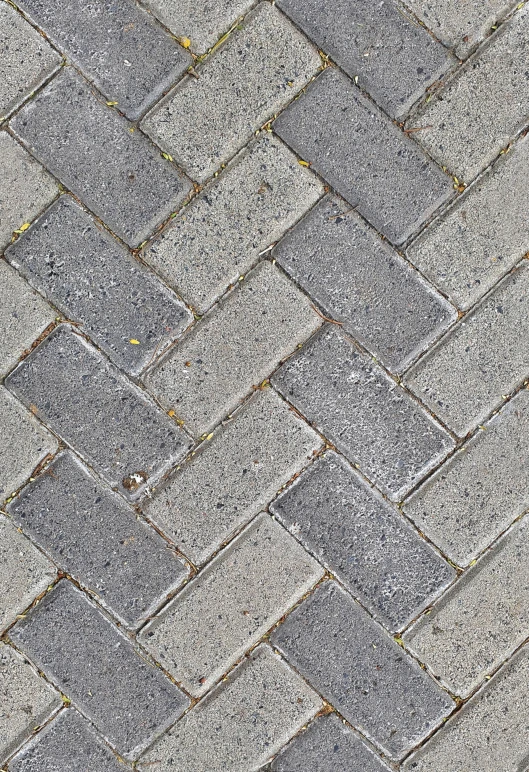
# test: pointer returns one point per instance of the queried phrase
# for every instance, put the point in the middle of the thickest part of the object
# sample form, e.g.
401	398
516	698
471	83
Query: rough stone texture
116	172
469	372
25	188
23	317
220	235
466	251
245	590
94	408
24	443
95	281
362	282
363	541
259	69
27	59
24	573
67	743
369	418
489	733
117	45
26	701
328	745
481	490
242	723
337	647
481	620
483	107
381	173
94	664
96	537
233	349
387	54
233	477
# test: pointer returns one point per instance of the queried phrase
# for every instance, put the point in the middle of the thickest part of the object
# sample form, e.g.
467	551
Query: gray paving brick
93	407
95	281
359	280
233	349
481	490
220	235
483	107
468	373
232	477
100	157
25	188
389	55
96	537
490	731
481	620
27	59
482	236
24	443
67	743
369	418
328	745
231	604
333	643
98	668
242	723
363	541
24	573
117	45
380	171
205	121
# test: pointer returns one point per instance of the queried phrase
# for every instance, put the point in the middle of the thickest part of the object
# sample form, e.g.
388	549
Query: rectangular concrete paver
380	171
101	157
256	72
233	476
242	723
93	407
233	349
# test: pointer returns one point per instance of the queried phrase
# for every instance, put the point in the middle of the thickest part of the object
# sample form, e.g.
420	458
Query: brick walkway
264	419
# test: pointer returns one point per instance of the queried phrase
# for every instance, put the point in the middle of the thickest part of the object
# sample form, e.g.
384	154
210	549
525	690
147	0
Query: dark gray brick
331	641
96	537
328	745
99	669
371	163
101	157
95	281
361	281
129	57
363	541
392	58
352	401
68	743
94	408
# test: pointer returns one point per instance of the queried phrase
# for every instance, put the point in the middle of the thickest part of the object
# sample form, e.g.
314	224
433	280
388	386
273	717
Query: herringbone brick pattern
264	360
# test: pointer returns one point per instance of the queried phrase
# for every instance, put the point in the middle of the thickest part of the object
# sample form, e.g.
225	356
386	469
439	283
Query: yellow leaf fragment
111	104
303	163
184	42
167	156
134	342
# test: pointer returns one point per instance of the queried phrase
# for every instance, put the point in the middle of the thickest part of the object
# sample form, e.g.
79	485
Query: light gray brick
220	234
481	620
359	280
482	236
232	603
259	69
95	281
232	477
481	490
483	107
470	371
380	171
360	409
242	723
233	349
